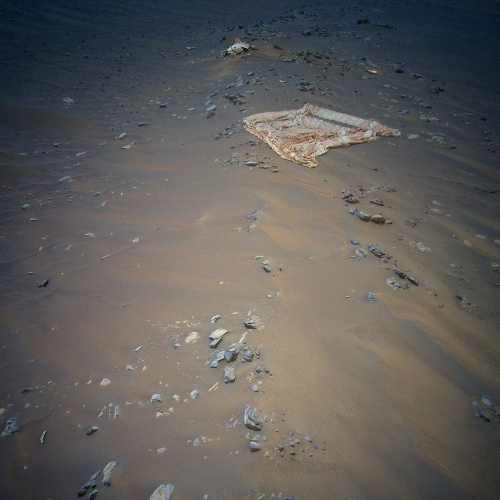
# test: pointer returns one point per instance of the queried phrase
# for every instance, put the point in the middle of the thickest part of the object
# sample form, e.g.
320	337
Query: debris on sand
301	135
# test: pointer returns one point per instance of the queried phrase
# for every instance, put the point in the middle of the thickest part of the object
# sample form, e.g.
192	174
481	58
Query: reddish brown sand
385	388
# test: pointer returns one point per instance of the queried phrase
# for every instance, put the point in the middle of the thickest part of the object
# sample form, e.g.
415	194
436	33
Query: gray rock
412	279
251	419
248	356
378	219
487	401
107	473
156	398
215	342
371	296
232	352
255	388
193	394
254	446
215	318
364	217
254	322
91	431
93	494
163	492
400	273
229	375
83	490
11	427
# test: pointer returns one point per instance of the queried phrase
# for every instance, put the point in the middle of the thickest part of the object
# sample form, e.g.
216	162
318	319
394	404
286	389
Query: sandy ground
144	239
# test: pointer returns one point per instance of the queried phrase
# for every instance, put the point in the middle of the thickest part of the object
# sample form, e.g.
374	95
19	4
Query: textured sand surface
144	238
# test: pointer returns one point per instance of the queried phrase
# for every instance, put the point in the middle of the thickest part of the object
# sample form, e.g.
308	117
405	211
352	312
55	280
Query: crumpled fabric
303	134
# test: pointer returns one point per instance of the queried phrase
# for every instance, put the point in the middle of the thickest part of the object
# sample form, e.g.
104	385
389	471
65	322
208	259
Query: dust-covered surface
134	213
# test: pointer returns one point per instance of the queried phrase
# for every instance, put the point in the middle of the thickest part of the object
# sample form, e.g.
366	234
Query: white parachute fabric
303	134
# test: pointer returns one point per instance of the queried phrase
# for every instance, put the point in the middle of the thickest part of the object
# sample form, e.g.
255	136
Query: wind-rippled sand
145	237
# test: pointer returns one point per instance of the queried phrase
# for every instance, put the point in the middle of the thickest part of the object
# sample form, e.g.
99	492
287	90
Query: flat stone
156	398
217	334
105	381
163	492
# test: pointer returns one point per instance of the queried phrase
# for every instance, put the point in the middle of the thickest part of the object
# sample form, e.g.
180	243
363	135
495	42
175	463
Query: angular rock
251	419
193	394
107	473
400	273
93	495
254	446
163	492
11	427
232	353
105	381
91	431
254	322
155	398
83	490
248	356
215	342
412	279
229	375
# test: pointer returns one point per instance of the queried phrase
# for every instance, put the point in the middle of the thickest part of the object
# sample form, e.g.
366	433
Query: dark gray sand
144	239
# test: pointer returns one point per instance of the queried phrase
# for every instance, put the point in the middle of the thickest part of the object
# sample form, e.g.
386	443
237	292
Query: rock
192	338
251	419
412	279
377	202
377	219
360	252
215	318
354	242
129	367
193	394
400	273
107	473
156	398
232	353
229	375
43	284
371	296
255	388
248	356
254	322
209	112
105	381
483	416
487	401
11	427
91	431
163	492
254	446
377	252
83	490
215	342
364	217
308	438
93	494
217	334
